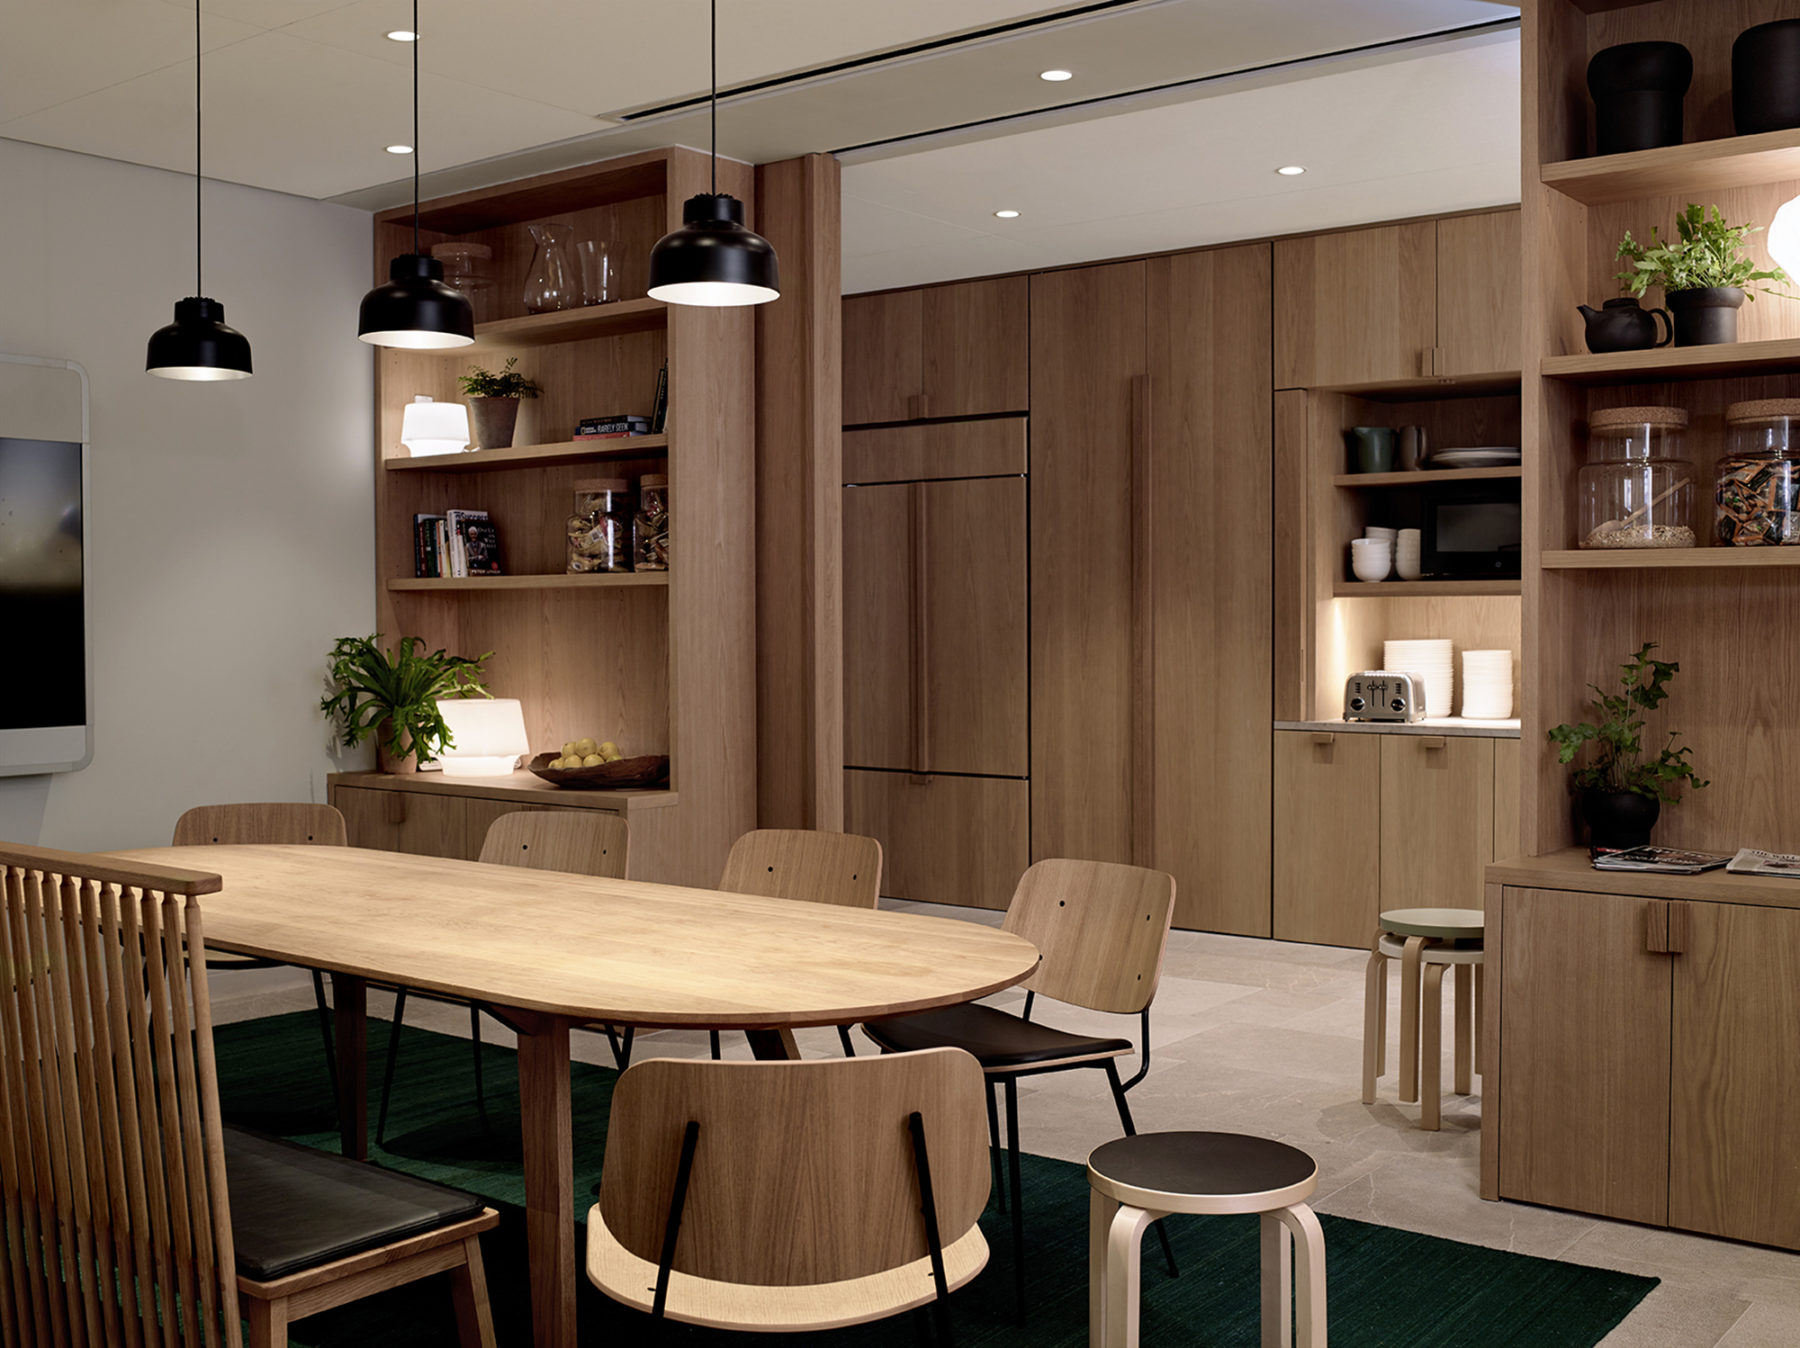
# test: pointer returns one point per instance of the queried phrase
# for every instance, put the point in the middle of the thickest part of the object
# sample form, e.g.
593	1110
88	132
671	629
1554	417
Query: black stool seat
999	1040
293	1208
1203	1172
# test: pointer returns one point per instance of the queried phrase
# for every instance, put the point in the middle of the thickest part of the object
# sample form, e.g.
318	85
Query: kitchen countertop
1439	725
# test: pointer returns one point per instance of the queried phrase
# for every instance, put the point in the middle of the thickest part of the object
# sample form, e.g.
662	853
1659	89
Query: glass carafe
552	282
597	279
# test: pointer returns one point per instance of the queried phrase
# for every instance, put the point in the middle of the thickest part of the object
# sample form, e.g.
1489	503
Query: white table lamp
489	735
434	428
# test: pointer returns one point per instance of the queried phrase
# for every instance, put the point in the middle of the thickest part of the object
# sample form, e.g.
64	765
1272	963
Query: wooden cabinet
1437	833
1328	866
944	351
1585	1054
405	821
1506	799
961	840
1480	328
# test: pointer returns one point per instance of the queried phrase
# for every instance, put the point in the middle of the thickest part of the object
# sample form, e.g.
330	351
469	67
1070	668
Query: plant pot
492	420
1705	317
1765	77
388	762
1638	88
1619	818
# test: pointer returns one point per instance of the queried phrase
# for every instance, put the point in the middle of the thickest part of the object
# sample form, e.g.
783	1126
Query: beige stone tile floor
1266	1037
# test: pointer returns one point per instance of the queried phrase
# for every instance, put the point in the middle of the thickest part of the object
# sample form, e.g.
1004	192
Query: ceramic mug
1413	448
1373	448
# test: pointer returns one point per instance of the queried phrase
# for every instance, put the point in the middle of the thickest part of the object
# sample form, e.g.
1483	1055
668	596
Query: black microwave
1472	529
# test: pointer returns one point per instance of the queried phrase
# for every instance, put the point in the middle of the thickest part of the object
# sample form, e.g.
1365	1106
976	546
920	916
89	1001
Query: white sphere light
1784	238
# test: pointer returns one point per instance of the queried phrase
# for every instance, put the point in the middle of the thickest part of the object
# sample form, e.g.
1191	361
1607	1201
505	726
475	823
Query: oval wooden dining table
548	951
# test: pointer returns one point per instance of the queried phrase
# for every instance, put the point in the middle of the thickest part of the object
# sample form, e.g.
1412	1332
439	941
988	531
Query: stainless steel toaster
1384	695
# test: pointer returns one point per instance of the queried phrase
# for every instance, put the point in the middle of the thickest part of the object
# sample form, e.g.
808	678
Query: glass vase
552	282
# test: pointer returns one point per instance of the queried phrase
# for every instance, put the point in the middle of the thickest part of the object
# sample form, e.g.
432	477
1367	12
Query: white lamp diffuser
489	734
434	428
1784	237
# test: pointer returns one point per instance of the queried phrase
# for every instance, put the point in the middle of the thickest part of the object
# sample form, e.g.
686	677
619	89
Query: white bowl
1371	563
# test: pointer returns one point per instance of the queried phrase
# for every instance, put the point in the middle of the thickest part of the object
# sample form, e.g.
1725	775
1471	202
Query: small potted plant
1704	274
395	698
1621	791
494	402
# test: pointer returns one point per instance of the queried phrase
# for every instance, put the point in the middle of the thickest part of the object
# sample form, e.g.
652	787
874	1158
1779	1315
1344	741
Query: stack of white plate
1436	661
1487	685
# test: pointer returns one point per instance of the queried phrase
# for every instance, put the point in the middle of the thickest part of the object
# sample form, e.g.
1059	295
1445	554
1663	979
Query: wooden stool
1137	1180
1426	941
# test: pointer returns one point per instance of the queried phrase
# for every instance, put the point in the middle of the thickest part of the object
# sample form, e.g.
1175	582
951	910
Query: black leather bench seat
999	1040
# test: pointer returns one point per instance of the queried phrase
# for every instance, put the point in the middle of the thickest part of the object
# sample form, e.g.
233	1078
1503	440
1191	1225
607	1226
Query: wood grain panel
986	448
393	821
1585	1052
1506	799
959	840
976	348
883	354
1736	1075
1437	831
1359	307
879	609
1479	324
1328	871
1295	619
1087	346
1212	519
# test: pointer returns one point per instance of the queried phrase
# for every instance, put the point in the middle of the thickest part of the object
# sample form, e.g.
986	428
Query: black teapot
1622	325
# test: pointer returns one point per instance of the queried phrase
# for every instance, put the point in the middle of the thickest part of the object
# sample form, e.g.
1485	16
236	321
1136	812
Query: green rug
1386	1287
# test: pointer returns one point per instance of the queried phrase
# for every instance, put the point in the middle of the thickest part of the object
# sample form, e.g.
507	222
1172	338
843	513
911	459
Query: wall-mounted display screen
43	686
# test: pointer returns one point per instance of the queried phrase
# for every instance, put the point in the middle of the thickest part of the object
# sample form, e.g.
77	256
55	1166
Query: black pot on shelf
1618	818
1625	325
1638	88
1705	317
1765	77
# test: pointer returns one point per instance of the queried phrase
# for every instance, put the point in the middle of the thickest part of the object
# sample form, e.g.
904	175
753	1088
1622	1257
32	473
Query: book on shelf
426	553
1658	860
659	407
474	544
609	435
618	421
1749	861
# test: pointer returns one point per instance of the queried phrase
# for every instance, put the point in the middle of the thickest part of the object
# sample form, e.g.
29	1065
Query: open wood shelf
560	581
521	786
1779	356
1700	166
1429	387
1425	476
1419	589
1670	559
570	325
534	456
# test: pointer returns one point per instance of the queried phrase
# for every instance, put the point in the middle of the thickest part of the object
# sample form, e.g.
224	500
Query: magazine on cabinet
1660	860
1749	861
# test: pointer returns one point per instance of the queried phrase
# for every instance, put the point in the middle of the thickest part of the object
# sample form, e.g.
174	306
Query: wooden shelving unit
572	325
1671	559
1700	166
553	455
1770	356
555	581
1425	477
1421	589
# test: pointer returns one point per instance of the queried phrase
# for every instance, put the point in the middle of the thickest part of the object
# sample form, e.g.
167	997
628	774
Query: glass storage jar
1758	491
598	537
469	267
650	527
1636	491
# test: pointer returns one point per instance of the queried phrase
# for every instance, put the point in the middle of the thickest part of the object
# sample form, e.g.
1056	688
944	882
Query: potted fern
1620	790
394	698
494	402
1704	274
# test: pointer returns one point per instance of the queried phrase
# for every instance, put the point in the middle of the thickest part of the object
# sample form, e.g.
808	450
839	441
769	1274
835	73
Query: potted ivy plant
1621	790
394	698
494	402
1704	274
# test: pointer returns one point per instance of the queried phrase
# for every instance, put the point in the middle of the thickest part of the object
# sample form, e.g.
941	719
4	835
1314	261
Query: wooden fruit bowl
648	770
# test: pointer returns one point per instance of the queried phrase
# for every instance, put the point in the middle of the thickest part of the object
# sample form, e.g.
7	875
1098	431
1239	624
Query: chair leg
1480	997
1277	1283
1124	1252
393	1060
1162	1234
475	1048
268	1323
325	1030
1018	1194
1101	1211
621	1051
713	1038
993	1106
1409	1019
1431	1053
1464	1018
844	1039
1374	1018
625	1047
1308	1275
468	1290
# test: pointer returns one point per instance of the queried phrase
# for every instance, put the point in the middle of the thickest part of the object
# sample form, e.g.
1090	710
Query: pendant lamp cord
198	288
715	97
415	47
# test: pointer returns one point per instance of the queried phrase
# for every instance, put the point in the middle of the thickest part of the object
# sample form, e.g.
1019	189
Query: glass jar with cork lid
650	526
599	533
1636	490
1758	489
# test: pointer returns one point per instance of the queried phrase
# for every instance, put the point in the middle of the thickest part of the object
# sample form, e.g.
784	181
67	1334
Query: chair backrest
1100	927
271	822
803	1171
583	842
795	863
114	1173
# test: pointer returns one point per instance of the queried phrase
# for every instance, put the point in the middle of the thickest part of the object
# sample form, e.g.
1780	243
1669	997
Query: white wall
231	532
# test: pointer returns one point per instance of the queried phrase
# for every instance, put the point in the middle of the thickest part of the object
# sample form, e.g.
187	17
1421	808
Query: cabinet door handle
918	406
1433	742
921	629
393	807
1656	928
1143	627
1324	737
1678	927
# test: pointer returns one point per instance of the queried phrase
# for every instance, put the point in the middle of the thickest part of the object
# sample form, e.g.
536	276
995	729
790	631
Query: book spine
608	435
439	549
659	409
419	546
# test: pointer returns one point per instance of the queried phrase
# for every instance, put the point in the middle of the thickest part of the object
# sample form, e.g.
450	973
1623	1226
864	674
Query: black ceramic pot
1624	325
1705	317
1619	818
1638	88
1765	77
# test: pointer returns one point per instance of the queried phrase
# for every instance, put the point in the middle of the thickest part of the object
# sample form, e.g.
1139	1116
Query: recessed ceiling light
1291	170
1006	215
399	149
402	35
1056	76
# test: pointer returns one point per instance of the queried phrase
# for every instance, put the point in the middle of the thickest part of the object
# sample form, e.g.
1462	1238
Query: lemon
610	749
592	761
568	748
584	747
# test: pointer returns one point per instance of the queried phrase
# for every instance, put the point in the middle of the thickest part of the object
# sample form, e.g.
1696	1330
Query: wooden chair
115	1165
871	1172
1100	929
581	842
278	822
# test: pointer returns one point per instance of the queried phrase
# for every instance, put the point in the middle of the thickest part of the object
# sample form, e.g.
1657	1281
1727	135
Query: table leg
1409	1018
548	1134
350	1024
772	1045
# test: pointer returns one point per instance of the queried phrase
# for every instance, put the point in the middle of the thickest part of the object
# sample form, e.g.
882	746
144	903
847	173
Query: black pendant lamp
198	345
415	309
712	260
